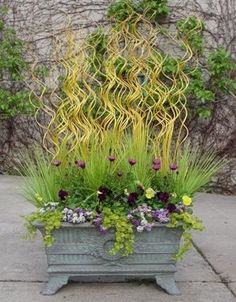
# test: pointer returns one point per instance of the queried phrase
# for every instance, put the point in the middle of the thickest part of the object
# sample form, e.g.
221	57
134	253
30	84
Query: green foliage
170	65
50	222
191	30
43	180
97	43
14	97
188	222
220	66
209	81
195	170
124	233
153	9
121	10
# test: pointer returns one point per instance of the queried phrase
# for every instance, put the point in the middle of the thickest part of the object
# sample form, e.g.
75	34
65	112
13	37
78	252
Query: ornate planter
80	253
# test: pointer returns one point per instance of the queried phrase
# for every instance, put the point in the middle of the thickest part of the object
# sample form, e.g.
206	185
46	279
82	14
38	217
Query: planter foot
167	282
54	284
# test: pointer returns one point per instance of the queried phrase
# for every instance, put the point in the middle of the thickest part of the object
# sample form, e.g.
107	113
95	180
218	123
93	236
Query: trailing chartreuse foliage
124	235
188	222
50	220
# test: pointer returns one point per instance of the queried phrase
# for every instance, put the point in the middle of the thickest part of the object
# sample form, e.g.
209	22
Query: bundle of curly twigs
120	89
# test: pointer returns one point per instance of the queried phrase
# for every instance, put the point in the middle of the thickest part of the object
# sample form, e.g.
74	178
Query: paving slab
128	292
218	242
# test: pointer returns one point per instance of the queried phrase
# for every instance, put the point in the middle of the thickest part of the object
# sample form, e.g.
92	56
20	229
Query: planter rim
89	225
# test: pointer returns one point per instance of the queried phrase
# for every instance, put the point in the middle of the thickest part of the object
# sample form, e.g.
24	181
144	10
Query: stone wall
37	21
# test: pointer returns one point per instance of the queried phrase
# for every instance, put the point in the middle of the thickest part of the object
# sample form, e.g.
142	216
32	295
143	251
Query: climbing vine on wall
14	96
215	74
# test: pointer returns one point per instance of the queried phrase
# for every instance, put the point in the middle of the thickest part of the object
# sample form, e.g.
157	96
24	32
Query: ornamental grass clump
116	157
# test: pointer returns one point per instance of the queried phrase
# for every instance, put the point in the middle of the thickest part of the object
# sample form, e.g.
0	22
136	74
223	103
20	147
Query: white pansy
144	221
75	219
140	228
65	211
81	218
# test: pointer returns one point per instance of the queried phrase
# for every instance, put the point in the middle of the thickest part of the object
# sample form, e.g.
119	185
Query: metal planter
81	253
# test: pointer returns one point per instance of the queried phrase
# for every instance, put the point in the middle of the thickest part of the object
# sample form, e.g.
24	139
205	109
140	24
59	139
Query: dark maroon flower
132	162
163	196
173	167
156	162
111	158
132	198
80	164
171	207
103	192
56	162
120	173
156	167
63	194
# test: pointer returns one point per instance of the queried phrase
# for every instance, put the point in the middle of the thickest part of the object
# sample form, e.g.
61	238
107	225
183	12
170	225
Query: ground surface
208	273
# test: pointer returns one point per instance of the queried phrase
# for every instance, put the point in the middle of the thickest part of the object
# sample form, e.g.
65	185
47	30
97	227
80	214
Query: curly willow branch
116	85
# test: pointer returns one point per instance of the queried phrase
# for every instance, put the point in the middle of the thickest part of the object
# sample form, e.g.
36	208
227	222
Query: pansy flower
63	194
186	200
103	192
132	198
163	196
150	193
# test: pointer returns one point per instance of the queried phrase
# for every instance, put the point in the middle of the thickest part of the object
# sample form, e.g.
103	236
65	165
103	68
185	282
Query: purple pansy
135	222
103	192
171	207
63	194
161	215
132	198
163	196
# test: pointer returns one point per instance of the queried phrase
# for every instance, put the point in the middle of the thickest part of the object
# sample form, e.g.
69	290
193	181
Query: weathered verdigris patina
80	253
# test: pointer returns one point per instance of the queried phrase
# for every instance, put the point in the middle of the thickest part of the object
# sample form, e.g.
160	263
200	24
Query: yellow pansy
186	200
150	193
